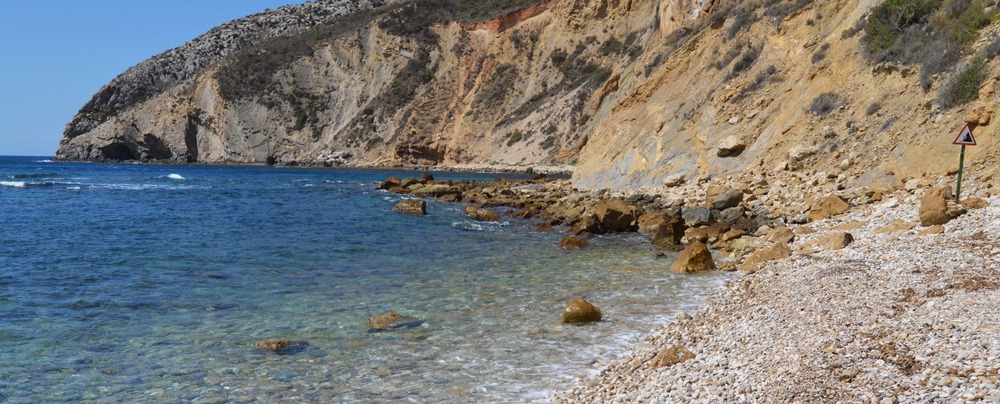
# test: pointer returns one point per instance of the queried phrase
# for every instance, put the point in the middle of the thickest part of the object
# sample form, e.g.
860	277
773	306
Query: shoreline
904	313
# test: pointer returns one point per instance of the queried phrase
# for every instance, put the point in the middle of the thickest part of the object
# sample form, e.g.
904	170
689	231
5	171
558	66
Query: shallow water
122	282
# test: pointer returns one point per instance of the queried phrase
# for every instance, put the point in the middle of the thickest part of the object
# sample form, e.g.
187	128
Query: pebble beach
905	313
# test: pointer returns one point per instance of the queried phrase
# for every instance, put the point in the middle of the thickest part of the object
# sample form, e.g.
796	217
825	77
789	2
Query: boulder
800	152
671	356
695	217
390	183
781	235
424	177
696	257
580	311
409	182
675	180
412	206
706	234
668	235
616	216
719	197
587	225
482	215
731	216
649	223
279	345
836	240
937	207
825	208
573	243
392	321
731	146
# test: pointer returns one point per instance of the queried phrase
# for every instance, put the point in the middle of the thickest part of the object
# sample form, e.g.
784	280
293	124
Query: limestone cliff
630	91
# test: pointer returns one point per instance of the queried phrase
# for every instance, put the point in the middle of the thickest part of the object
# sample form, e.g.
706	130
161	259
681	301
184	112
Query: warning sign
965	137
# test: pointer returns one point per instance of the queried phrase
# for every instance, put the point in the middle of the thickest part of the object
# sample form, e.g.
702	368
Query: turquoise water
128	283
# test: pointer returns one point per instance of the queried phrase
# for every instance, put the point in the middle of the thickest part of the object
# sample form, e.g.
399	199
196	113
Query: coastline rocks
580	311
671	356
718	197
696	257
649	223
616	216
412	207
573	243
827	207
937	207
482	215
392	321
668	235
695	217
776	251
390	183
278	344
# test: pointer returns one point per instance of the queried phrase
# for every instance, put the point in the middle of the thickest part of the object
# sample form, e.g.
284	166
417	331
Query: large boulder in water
580	311
668	235
390	183
412	206
696	257
392	321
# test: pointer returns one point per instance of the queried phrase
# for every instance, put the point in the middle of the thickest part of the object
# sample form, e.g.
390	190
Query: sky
55	54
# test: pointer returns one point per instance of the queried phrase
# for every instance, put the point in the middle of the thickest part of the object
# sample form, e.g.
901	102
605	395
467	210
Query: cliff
631	92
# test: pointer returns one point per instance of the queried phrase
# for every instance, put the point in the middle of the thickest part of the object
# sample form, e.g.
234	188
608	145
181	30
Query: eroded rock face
696	257
580	311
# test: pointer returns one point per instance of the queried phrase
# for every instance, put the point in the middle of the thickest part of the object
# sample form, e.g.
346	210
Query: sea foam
175	177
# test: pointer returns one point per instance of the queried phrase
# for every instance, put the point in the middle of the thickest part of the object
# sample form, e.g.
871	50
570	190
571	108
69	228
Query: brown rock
935	229
850	226
728	266
696	257
776	251
278	344
616	216
896	226
706	234
650	222
719	197
671	356
424	177
412	206
836	240
587	225
392	321
732	235
668	235
390	183
975	203
827	207
781	235
580	311
934	207
573	243
482	215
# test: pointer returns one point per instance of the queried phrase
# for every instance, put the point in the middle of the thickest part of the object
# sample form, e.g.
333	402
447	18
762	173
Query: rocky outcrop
580	311
482	215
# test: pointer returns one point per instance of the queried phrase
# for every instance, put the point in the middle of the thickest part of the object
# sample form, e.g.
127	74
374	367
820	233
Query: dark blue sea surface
138	283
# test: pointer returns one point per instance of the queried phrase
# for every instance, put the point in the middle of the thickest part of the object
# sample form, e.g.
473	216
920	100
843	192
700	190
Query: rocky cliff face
630	91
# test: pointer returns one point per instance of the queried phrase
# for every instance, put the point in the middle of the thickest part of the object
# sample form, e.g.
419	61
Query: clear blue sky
55	54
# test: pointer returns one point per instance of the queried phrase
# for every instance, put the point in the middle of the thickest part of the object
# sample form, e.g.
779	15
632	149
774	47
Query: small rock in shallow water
278	344
580	311
392	321
412	206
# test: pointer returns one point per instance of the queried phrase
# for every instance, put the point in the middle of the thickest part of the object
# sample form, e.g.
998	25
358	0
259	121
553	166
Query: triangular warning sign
965	137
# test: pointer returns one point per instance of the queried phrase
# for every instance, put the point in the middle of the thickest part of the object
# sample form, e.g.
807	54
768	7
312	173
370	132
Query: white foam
175	177
43	161
13	184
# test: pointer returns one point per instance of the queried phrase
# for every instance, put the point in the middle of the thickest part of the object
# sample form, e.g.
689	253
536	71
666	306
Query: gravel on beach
896	316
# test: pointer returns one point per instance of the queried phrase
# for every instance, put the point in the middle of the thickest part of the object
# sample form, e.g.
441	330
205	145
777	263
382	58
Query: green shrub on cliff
964	85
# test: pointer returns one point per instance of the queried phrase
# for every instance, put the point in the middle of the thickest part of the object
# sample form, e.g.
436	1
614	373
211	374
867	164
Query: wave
44	161
25	184
175	177
31	176
14	184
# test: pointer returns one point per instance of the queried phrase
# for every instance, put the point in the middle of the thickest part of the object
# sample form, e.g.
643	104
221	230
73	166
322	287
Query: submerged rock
573	243
392	321
279	345
412	206
580	311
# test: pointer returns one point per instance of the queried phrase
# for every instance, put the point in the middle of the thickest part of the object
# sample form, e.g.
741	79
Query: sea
153	283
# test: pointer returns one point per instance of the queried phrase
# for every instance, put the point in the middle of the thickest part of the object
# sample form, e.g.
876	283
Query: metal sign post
964	138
